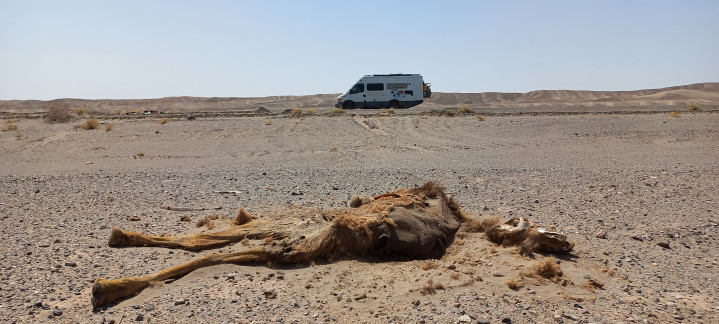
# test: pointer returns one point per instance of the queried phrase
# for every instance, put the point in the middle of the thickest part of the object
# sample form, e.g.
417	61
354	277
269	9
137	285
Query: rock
355	201
135	218
70	264
360	297
270	294
139	318
482	321
464	319
498	274
149	307
179	301
638	238
664	245
56	312
231	275
185	219
507	320
601	234
37	190
586	276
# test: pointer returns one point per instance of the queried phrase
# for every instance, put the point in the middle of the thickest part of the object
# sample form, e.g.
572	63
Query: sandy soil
644	179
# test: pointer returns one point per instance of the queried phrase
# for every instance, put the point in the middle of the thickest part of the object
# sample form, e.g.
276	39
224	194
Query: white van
385	90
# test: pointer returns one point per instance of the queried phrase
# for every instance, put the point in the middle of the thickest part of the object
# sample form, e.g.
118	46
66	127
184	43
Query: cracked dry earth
637	194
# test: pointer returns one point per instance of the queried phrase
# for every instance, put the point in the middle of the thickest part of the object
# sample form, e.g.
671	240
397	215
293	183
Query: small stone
498	274
149	307
179	301
135	218
482	321
56	312
360	297
664	245
638	238
586	276
185	218
37	190
464	319
507	320
231	275
601	234
269	294
37	303
355	201
70	264
139	318
335	187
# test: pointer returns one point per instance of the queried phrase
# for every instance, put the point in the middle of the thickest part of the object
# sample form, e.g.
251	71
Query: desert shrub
121	112
388	111
693	107
18	136
108	127
454	276
296	111
451	113
337	111
140	154
137	111
480	118
674	114
428	265
311	111
431	288
9	127
514	284
59	113
90	124
464	110
80	111
268	122
164	121
242	217
333	149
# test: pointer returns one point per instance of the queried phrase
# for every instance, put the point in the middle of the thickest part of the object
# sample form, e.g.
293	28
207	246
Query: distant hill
700	93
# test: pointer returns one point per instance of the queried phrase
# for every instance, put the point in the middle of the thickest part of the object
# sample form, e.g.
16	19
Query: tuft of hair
355	201
431	288
514	284
472	225
547	269
592	285
242	217
430	189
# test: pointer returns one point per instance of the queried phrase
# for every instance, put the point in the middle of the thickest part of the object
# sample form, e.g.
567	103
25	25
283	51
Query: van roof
393	74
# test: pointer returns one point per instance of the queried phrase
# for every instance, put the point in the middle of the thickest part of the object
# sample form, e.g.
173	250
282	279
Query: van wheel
348	105
394	104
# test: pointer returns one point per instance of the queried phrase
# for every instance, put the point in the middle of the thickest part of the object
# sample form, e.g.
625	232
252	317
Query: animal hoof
118	237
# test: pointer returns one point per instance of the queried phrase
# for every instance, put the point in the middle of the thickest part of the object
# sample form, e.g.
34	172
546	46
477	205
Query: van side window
358	88
375	86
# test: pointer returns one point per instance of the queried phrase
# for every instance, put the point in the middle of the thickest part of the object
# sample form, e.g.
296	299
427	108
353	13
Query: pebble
179	301
507	320
149	307
664	245
70	264
464	319
498	274
601	234
56	312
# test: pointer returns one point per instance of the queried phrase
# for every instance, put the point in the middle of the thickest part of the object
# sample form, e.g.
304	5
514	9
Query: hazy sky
149	49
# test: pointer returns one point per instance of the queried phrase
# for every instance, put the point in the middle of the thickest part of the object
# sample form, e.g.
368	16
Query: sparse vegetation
121	112
693	107
9	127
454	276
59	113
90	124
108	127
208	221
547	269
296	111
18	136
268	122
311	111
451	113
80	111
447	126
480	118
140	154
428	265
674	114
164	121
388	111
137	111
514	284
337	111
431	288
333	149
464	110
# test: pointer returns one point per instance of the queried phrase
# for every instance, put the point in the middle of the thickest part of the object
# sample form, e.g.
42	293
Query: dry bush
693	107
458	242
387	111
140	154
464	110
337	111
80	111
592	285
268	122
9	127
333	149
90	124
296	111
674	114
545	269
121	112
164	121
59	113
137	111
447	126
242	217
311	111
108	127
514	284
428	265
454	275
480	118
608	271
451	113
18	136
431	288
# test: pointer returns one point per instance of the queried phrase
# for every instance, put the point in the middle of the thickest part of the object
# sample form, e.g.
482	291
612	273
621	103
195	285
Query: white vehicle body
385	90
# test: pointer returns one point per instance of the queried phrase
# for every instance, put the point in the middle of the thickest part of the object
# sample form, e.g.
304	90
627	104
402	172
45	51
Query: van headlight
339	99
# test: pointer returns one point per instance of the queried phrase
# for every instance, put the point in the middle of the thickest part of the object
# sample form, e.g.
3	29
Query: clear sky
149	49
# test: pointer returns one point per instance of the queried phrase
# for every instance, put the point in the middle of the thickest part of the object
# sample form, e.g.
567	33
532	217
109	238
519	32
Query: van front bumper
338	104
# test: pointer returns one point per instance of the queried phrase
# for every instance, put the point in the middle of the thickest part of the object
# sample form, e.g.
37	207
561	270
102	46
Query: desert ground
636	190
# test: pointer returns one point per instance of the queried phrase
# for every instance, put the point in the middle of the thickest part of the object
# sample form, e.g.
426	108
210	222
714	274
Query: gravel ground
648	182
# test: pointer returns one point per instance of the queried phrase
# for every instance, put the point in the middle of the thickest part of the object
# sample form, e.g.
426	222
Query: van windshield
358	88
